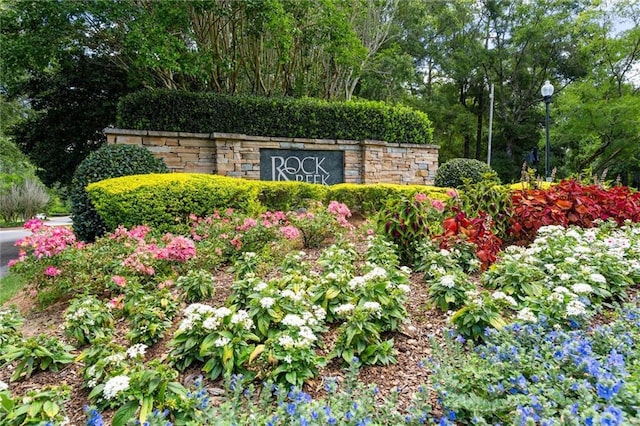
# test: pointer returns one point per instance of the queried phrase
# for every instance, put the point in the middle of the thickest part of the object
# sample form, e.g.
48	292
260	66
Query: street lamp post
547	92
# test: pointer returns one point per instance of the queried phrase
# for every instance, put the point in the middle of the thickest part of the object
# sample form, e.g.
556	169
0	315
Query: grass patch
10	285
11	224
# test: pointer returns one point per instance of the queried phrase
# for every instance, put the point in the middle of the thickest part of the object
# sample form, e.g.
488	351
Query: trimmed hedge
165	201
179	111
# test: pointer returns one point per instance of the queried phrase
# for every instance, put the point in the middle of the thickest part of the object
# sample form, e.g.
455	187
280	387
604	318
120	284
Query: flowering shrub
536	374
432	260
317	224
571	203
87	319
448	290
565	273
218	337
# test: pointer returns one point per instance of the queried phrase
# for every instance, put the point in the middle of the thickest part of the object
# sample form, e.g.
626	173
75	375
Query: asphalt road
8	237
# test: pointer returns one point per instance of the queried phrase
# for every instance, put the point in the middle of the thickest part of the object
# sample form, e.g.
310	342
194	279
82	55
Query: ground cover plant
309	318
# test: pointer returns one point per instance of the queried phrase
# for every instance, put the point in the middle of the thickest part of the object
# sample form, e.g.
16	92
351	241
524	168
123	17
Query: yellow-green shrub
165	201
287	196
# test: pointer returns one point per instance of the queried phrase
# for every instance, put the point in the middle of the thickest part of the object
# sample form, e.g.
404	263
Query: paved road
8	237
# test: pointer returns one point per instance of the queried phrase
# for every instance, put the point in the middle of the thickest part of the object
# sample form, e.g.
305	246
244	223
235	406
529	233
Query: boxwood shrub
178	111
165	201
455	172
107	162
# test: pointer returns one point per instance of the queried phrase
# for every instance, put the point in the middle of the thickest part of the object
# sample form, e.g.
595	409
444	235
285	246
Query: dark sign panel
323	167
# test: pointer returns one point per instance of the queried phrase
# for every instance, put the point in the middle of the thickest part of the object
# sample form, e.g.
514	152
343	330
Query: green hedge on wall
178	111
165	201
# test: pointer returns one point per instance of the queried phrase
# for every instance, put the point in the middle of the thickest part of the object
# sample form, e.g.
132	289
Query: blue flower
612	416
95	419
608	392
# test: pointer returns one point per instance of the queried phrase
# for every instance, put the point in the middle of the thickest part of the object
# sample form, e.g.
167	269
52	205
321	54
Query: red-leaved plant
570	203
475	230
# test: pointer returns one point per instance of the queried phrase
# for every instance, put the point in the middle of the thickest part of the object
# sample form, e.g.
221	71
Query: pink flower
290	232
33	225
420	197
52	271
13	262
452	193
339	209
237	243
247	224
116	302
119	281
438	205
165	284
179	248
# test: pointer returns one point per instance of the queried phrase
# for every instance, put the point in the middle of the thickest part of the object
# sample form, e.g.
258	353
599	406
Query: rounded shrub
107	162
454	173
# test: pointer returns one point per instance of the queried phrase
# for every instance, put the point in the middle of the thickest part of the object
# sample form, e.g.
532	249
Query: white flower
319	312
222	312
550	267
404	288
444	252
211	323
221	341
286	341
561	290
296	297
357	282
405	270
137	349
526	315
198	308
376	272
332	276
260	286
114	386
447	281
556	298
267	302
347	308
576	308
3	386
571	260
580	288
293	320
498	295
288	359
92	383
372	306
242	317
115	358
565	277
598	278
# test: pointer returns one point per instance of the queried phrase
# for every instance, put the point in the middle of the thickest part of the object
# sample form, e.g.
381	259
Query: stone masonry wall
239	155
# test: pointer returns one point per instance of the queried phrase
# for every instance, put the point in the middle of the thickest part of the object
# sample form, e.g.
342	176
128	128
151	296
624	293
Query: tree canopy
68	62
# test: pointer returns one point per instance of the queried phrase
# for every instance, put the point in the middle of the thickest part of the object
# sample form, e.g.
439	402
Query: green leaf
125	413
50	409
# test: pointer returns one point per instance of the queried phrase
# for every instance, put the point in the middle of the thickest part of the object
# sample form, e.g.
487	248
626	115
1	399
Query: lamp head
547	89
